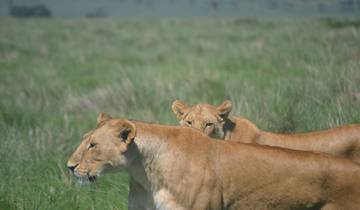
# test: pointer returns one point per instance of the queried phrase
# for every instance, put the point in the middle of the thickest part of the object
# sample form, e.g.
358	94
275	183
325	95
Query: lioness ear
179	108
127	131
103	117
224	109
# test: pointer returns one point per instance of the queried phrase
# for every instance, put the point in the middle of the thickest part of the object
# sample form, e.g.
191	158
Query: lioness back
214	121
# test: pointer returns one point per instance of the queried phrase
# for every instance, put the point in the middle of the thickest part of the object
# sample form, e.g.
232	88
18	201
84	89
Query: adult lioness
181	168
138	199
214	121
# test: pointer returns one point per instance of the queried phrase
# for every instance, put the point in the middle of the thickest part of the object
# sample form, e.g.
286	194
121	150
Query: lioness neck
241	129
166	157
147	148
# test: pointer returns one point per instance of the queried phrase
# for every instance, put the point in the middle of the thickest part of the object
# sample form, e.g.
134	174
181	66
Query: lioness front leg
165	201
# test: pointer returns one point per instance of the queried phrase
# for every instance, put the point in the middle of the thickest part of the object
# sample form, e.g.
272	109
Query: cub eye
91	145
189	122
209	124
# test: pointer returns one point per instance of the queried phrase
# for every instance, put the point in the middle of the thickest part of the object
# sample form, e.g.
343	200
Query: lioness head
203	117
104	147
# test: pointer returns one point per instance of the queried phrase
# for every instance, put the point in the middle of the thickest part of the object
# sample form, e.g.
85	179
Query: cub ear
103	117
127	131
224	109
179	108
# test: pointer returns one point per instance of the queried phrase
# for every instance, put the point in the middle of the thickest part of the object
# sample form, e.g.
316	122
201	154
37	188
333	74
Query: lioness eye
91	145
209	124
189	122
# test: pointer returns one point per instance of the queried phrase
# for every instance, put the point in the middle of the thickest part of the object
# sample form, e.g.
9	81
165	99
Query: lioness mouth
85	179
92	178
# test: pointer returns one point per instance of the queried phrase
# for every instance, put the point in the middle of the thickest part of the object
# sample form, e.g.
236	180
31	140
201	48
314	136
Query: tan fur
180	168
343	141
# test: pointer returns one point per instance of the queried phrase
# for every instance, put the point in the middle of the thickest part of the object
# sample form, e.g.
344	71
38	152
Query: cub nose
72	167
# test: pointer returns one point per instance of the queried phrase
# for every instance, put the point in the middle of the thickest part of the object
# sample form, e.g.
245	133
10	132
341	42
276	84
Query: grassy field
57	75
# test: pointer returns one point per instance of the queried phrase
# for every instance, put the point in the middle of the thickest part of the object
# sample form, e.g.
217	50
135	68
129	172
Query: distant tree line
316	4
41	10
22	11
215	5
350	4
97	13
288	4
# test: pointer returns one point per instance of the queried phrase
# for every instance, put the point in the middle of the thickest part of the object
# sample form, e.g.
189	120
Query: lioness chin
180	168
214	121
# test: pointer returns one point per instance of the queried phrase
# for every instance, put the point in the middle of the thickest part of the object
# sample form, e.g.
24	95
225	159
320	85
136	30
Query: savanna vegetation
56	75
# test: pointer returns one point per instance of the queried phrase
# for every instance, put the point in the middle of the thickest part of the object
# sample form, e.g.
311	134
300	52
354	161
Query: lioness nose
72	168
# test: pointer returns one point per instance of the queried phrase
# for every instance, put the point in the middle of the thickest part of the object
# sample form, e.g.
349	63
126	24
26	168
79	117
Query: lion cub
214	121
180	168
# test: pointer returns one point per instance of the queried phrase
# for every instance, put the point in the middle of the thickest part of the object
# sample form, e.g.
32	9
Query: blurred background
287	65
175	8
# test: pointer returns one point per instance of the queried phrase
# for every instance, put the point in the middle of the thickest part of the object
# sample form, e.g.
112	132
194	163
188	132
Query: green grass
57	75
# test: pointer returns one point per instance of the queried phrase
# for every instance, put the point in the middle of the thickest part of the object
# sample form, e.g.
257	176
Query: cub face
206	118
102	148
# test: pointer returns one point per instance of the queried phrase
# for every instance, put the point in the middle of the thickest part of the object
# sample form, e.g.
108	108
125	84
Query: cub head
206	118
103	148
